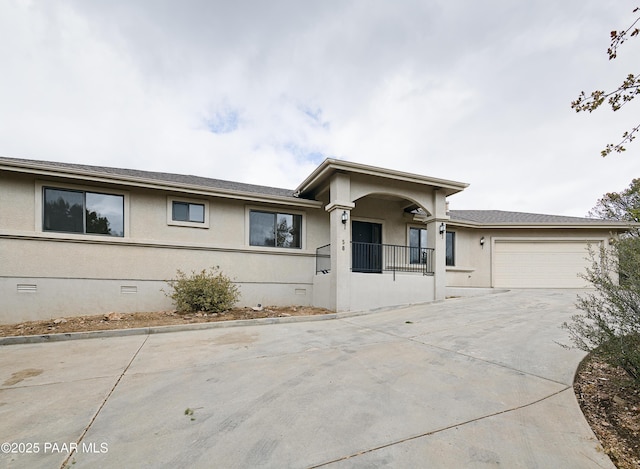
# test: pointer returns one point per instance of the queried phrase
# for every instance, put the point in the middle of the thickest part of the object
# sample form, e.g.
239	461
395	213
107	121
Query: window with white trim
182	211
283	230
83	212
187	211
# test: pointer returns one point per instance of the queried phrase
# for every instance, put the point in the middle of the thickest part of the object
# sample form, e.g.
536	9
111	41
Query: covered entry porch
386	236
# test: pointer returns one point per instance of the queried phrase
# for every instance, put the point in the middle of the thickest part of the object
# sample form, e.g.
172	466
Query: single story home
78	239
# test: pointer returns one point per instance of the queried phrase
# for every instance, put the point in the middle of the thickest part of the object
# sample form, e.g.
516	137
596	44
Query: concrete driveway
474	382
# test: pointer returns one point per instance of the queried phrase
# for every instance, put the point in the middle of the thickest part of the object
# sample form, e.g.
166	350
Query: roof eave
599	226
329	166
44	169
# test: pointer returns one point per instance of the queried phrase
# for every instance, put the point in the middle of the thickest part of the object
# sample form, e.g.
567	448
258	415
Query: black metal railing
374	257
323	259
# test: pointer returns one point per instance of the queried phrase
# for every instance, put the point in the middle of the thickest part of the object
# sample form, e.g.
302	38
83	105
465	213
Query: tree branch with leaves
616	99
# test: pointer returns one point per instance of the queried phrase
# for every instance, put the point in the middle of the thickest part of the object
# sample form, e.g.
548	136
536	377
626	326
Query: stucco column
438	242
340	240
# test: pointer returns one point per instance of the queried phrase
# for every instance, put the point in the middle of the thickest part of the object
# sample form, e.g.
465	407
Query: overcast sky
262	91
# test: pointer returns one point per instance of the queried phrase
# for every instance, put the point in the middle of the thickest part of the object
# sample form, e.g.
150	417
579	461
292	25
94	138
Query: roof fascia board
598	226
96	176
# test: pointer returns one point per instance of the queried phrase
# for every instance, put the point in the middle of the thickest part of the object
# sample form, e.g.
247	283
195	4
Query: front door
366	247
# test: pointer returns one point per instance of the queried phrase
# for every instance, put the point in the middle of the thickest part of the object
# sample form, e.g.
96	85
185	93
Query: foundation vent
27	288
128	289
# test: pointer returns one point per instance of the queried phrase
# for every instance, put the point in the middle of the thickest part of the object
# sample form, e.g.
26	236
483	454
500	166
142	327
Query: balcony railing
376	258
373	257
323	259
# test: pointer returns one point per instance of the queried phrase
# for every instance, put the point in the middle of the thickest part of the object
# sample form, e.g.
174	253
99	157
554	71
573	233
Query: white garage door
540	264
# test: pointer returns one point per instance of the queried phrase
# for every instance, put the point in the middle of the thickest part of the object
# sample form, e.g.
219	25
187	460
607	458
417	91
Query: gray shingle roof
504	217
480	217
190	180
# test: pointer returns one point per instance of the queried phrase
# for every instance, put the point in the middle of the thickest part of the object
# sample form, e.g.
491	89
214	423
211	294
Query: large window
186	211
282	230
451	248
74	211
418	245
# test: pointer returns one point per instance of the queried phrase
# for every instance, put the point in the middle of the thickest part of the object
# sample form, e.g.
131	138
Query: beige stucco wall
474	263
364	185
75	274
321	294
371	291
17	202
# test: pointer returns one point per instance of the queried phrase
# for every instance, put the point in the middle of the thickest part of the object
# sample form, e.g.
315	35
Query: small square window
185	211
191	213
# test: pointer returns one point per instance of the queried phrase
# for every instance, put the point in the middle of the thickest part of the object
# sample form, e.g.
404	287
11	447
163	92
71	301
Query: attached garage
548	263
499	249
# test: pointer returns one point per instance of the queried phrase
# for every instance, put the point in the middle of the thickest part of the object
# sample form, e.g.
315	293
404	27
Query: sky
263	91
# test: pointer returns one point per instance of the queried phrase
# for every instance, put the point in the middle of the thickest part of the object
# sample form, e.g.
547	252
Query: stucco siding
84	274
66	273
362	186
17	202
371	291
322	296
47	298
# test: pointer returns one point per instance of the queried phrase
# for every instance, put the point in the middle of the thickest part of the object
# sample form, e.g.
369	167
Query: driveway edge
65	336
62	337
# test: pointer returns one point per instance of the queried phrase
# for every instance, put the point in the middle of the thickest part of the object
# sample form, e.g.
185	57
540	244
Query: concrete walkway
471	383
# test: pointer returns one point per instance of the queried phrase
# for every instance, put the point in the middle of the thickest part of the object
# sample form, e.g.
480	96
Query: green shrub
610	324
207	291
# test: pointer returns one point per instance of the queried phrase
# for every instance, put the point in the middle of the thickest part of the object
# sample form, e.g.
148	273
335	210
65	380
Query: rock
113	317
59	321
619	401
198	315
257	308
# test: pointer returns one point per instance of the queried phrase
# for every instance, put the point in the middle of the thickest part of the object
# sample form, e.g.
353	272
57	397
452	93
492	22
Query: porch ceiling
407	205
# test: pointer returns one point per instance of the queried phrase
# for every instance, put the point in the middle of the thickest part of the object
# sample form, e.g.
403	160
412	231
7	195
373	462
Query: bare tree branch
616	99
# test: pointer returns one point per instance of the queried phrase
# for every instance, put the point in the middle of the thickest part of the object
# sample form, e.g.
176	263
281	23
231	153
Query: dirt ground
611	405
114	320
609	402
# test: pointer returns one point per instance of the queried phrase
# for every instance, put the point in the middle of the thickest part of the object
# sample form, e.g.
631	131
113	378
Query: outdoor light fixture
345	217
442	229
482	242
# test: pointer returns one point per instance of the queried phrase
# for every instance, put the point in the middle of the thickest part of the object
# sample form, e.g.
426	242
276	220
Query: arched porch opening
389	234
